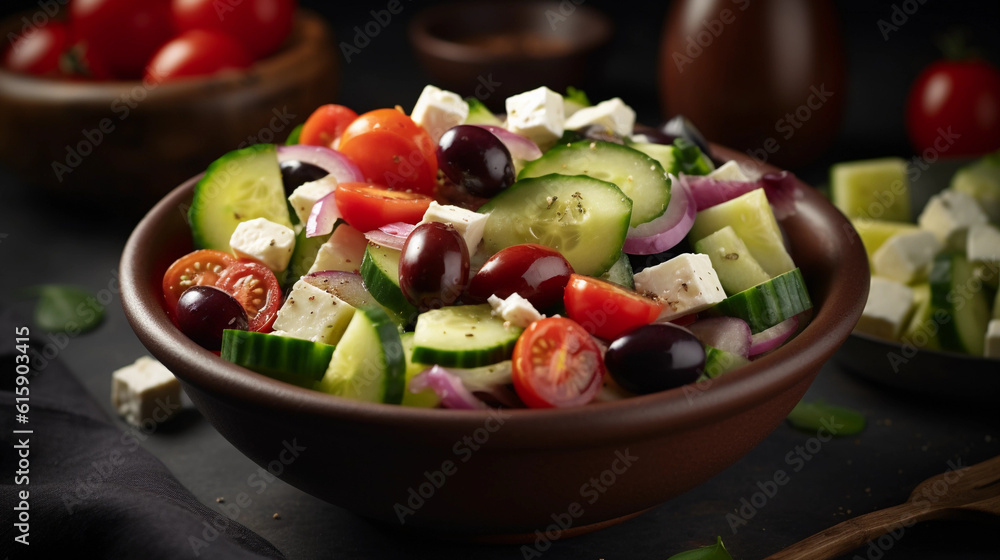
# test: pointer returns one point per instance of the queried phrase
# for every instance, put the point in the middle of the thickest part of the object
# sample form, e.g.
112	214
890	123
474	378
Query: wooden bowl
127	143
501	476
491	50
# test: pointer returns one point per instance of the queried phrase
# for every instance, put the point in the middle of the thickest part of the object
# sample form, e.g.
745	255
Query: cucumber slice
303	256
288	359
380	273
873	188
718	362
922	331
368	363
463	336
767	304
621	273
752	219
732	261
639	176
958	298
663	153
241	185
426	398
583	218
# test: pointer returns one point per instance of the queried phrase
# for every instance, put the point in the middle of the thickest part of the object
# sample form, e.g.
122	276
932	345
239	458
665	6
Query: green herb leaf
293	137
68	309
838	421
577	96
691	159
715	551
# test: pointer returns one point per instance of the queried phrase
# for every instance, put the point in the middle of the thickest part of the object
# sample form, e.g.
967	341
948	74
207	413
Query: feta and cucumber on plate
551	256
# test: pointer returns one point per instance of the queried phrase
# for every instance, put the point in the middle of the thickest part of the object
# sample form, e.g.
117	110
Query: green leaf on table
837	420
715	551
63	308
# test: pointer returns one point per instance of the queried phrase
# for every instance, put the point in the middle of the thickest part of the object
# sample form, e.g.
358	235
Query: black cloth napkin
93	490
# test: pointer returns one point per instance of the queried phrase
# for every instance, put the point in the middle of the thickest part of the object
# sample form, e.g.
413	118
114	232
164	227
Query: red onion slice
771	338
666	231
520	147
391	235
781	189
323	216
725	333
448	387
332	161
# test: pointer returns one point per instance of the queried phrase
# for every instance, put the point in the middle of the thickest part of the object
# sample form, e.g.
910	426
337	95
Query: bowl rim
635	418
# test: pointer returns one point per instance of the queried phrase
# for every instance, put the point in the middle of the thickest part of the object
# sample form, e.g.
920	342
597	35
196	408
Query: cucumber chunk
922	331
874	188
293	360
981	180
663	153
621	273
874	233
732	261
583	218
639	176
958	298
239	186
767	304
463	336
303	256
423	399
718	362
368	363
380	274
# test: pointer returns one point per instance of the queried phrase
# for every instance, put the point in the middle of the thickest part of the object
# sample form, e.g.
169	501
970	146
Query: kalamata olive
203	312
655	358
433	266
295	173
537	273
476	159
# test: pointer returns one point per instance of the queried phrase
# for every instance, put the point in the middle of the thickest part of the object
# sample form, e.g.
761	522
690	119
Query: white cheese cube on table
949	214
983	244
537	114
993	339
470	225
306	195
515	310
683	285
262	240
343	251
145	391
313	314
887	310
612	114
437	110
906	257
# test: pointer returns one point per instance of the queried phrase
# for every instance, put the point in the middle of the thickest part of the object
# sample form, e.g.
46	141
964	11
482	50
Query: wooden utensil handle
853	533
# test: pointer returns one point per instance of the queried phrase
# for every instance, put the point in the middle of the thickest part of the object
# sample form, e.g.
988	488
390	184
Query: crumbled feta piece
515	309
313	314
888	307
342	251
983	244
993	339
906	257
949	214
729	171
145	391
685	284
470	225
537	114
264	241
612	114
438	110
306	195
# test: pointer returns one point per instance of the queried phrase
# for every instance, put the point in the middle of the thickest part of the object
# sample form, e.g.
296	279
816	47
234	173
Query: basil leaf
577	96
68	309
838	421
715	551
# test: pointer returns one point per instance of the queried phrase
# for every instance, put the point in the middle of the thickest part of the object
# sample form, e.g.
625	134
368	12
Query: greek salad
552	256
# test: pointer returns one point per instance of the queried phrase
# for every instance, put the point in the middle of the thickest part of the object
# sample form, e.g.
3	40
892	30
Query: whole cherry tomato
953	108
197	53
121	33
39	50
260	25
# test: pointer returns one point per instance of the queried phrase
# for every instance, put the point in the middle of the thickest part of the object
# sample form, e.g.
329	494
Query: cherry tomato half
256	288
537	273
122	33
196	53
198	268
38	51
260	25
395	121
392	150
556	363
366	206
607	310
326	125
953	108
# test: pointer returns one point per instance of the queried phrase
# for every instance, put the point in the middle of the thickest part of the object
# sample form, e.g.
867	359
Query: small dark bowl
491	476
491	50
123	145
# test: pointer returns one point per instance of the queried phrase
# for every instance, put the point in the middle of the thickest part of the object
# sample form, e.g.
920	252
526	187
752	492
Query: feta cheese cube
343	251
438	110
313	314
887	309
537	114
983	244
685	284
145	391
515	310
612	114
906	257
949	214
993	339
264	241
305	195
470	225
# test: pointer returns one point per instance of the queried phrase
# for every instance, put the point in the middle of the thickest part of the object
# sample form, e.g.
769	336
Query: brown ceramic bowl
156	135
491	50
502	476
